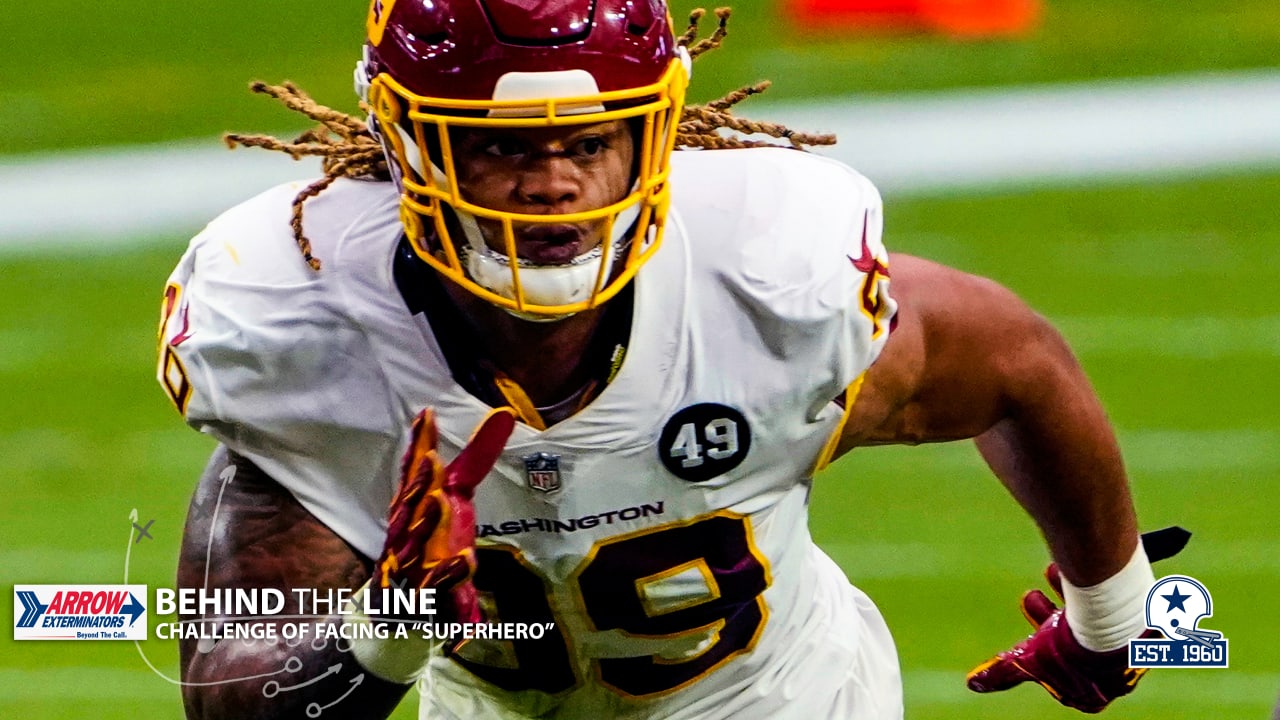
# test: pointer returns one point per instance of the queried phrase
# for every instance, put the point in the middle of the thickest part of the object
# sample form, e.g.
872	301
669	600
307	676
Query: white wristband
401	660
1108	615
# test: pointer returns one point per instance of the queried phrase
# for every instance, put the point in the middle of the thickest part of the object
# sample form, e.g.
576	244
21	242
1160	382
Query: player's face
542	171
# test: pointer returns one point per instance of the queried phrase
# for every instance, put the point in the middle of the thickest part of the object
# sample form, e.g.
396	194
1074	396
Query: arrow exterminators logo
79	612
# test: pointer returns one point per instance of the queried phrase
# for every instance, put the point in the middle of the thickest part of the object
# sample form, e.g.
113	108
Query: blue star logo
1175	600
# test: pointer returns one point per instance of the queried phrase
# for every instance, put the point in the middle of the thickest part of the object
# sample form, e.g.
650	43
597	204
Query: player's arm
263	538
968	359
249	532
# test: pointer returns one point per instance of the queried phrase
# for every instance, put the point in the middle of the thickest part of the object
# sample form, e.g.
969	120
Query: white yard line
1239	559
92	683
1177	692
1148	452
908	144
125	194
1196	338
1175	125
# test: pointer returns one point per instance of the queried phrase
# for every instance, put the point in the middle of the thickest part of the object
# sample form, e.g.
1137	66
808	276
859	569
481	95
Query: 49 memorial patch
79	612
704	441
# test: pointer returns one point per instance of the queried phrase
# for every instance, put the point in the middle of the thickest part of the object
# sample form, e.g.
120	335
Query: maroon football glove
431	531
1074	675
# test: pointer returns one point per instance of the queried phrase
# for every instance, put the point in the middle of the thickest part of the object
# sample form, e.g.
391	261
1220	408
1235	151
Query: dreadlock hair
347	149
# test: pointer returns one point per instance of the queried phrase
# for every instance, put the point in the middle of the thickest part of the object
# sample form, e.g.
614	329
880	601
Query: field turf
126	71
1166	289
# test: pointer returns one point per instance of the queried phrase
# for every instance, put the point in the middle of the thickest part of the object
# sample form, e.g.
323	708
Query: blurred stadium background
1163	279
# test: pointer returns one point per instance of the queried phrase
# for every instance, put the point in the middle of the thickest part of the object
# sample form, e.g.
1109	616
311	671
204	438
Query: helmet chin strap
571	282
564	284
541	285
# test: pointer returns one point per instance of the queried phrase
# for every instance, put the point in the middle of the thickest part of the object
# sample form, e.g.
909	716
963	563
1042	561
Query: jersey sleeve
862	287
257	350
795	239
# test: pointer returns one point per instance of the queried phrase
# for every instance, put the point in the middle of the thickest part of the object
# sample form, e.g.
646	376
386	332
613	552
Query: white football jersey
662	528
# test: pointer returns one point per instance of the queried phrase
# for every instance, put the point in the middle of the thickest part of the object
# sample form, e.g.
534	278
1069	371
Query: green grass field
1166	289
126	71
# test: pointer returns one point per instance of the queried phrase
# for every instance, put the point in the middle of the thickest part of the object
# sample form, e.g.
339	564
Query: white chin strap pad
560	285
554	284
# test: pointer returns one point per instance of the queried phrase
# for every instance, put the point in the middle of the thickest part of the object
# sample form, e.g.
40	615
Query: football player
635	360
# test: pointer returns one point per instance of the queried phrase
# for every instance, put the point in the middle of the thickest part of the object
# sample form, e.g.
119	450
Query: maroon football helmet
434	65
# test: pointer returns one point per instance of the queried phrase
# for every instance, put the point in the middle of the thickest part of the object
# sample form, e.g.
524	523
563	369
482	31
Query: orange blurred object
961	18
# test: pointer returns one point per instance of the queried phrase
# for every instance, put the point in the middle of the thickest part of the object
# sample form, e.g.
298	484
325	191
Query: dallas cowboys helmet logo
1177	613
1175	606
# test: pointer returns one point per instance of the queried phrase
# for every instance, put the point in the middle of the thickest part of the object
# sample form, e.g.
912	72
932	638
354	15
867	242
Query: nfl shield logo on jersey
542	470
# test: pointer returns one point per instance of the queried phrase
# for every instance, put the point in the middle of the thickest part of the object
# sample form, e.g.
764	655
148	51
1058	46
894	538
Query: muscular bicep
971	360
244	530
963	348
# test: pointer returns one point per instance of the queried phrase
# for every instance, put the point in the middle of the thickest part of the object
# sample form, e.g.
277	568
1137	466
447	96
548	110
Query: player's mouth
551	244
